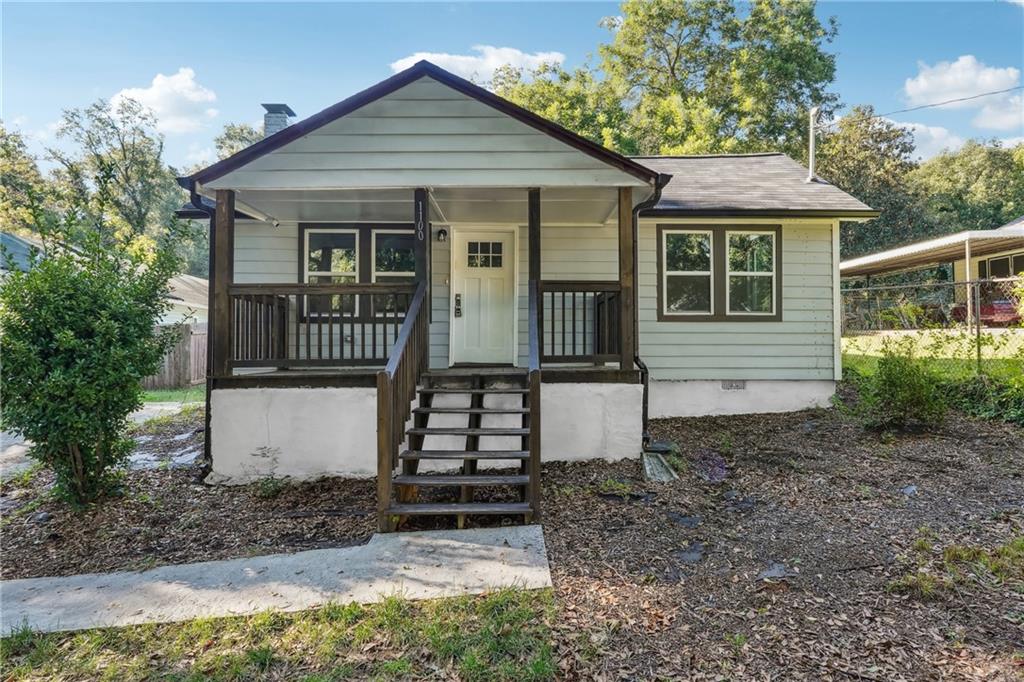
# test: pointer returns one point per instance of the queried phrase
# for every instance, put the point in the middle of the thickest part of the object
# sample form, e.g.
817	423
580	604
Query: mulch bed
166	516
773	556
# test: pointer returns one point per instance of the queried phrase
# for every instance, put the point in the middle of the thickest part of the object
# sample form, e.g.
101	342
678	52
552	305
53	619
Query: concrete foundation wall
302	433
700	398
307	433
591	421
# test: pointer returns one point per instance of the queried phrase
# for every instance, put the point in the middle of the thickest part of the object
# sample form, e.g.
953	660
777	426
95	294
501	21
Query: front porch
387	339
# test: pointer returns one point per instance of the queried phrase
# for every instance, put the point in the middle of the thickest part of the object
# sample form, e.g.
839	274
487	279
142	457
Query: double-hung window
688	272
750	273
357	254
719	273
394	261
331	257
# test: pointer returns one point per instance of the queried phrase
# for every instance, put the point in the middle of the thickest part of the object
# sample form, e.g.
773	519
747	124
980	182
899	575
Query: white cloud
931	140
963	78
1004	113
199	155
180	104
1012	141
482	65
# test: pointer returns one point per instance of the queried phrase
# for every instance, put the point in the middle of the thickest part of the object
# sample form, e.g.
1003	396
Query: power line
934	104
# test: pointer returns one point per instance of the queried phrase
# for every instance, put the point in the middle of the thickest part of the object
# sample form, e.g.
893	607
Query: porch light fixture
442	235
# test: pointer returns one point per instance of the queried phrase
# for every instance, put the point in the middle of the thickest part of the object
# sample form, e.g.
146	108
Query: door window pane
484	254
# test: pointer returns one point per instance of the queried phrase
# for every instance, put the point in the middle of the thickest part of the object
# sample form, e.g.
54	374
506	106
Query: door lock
458	305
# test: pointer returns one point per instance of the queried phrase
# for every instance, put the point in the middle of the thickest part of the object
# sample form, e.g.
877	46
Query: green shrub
990	398
78	337
903	391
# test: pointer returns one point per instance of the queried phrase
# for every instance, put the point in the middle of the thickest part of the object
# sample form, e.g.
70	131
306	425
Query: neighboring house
426	244
22	251
992	254
189	300
188	296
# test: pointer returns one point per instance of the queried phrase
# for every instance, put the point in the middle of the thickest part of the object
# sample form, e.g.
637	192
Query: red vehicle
999	313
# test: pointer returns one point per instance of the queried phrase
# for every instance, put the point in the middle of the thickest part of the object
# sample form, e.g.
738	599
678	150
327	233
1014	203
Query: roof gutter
659	184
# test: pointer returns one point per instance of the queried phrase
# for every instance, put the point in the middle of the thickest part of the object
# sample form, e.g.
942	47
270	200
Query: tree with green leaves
116	165
871	158
234	138
694	77
978	187
21	183
79	335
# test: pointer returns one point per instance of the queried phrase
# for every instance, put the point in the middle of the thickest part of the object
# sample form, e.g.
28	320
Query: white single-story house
426	276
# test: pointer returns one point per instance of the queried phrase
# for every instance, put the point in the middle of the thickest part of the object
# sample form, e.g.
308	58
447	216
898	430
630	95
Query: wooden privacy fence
185	363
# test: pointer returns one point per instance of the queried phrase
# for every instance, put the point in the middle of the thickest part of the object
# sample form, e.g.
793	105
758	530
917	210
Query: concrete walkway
416	565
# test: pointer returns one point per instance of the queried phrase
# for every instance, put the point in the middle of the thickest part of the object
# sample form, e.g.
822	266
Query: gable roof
769	184
417	71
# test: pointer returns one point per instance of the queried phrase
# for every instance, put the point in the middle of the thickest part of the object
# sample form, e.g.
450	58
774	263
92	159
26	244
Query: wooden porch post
222	245
422	241
627	297
533	233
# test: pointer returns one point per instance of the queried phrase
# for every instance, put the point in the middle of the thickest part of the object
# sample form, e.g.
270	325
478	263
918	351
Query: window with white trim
394	261
750	273
688	261
331	257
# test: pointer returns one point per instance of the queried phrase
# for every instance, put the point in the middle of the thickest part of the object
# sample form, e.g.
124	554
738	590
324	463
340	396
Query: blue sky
203	65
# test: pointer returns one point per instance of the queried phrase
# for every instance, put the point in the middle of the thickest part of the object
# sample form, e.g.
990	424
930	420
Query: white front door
483	296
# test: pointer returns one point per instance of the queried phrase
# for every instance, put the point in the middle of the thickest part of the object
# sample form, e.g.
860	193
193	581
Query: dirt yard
793	546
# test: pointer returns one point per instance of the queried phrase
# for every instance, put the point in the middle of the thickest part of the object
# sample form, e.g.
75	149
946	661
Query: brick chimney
276	118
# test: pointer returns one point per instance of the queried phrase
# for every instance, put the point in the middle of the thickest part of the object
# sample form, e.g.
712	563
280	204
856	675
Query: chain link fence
961	328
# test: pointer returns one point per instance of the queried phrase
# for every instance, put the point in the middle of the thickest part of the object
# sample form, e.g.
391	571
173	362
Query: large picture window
719	273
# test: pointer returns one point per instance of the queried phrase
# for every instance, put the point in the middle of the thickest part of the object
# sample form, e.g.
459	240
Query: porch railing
580	321
533	404
316	325
396	389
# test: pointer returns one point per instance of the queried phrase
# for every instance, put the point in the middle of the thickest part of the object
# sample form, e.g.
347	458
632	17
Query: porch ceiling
569	205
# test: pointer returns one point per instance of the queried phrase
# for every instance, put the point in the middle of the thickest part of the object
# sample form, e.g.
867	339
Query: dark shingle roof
750	184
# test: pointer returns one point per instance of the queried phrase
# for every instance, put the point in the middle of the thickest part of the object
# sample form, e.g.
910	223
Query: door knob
458	305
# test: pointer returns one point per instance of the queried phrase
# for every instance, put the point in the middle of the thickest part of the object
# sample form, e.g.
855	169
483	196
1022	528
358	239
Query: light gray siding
801	346
424	134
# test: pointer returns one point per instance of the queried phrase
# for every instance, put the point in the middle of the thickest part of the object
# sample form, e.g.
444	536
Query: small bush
989	398
78	337
903	391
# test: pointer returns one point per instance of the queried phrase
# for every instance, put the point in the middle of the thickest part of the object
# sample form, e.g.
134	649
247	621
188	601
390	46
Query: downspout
197	201
645	375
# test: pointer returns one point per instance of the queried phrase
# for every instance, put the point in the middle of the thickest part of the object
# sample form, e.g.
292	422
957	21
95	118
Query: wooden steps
471	410
465	454
475	391
461	479
460	508
450	432
459	431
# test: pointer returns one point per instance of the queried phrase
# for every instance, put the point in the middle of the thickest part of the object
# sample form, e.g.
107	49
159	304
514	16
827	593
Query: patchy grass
190	415
501	636
611	486
191	394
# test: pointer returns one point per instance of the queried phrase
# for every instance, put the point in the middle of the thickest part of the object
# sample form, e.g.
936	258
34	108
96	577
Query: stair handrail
533	379
396	389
